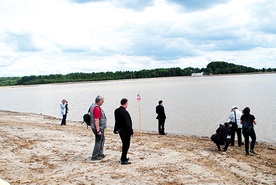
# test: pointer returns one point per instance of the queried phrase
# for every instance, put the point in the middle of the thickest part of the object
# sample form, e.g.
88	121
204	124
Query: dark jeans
233	132
246	136
99	143
125	145
63	121
161	124
226	144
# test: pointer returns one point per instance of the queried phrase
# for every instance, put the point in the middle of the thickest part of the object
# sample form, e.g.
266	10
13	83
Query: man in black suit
161	116
123	126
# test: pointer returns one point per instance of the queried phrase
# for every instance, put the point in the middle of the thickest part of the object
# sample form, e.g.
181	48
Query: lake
193	105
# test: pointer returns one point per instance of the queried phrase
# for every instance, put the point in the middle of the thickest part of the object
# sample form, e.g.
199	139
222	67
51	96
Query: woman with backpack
248	121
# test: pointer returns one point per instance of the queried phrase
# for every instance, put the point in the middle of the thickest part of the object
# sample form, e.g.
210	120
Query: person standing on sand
161	116
98	125
235	116
248	121
123	126
64	110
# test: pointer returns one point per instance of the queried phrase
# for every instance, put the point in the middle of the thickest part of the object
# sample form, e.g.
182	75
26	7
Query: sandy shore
35	149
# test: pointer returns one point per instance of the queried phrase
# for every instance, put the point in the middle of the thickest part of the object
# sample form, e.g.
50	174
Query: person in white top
64	110
235	116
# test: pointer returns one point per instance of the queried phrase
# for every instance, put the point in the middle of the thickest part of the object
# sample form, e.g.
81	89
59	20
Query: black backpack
247	124
86	119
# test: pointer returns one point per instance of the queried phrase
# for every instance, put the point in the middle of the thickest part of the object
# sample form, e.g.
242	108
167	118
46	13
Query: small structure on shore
197	74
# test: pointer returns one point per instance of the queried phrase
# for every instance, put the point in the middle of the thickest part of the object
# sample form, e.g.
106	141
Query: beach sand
35	149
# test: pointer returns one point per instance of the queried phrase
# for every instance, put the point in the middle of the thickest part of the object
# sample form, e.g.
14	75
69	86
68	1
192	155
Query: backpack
247	124
86	119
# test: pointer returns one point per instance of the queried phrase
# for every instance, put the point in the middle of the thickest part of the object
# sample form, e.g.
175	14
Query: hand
99	133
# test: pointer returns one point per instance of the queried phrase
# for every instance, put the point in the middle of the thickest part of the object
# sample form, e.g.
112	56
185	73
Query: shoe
96	158
224	149
125	163
252	151
102	155
247	153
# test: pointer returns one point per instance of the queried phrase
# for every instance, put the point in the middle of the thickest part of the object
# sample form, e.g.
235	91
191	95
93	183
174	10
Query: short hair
124	101
98	98
160	101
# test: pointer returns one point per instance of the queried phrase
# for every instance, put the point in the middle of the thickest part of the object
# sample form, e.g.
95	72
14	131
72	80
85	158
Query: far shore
100	81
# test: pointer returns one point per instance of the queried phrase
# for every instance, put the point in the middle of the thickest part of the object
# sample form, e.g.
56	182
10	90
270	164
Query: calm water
194	105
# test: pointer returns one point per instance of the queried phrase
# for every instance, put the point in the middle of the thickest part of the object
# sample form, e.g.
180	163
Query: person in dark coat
161	116
224	131
248	132
123	126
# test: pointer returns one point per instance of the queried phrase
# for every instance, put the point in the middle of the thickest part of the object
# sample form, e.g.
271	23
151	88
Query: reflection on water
194	105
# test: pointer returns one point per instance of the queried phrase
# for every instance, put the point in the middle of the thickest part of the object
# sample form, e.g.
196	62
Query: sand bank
35	149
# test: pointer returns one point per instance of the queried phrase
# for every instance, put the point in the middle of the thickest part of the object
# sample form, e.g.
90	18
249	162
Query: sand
35	149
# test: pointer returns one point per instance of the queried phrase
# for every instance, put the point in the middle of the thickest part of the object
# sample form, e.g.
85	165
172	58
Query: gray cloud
194	5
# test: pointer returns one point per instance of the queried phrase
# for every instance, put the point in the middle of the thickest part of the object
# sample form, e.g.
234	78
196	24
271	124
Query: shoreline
99	81
37	150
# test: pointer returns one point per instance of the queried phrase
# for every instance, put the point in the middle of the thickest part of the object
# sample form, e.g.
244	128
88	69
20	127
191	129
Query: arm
97	116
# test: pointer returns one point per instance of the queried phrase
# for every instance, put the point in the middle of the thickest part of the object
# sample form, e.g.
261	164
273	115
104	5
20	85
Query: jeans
99	143
63	121
252	135
238	130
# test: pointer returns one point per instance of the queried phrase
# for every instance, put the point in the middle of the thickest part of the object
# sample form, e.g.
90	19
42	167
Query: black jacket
123	121
225	131
161	112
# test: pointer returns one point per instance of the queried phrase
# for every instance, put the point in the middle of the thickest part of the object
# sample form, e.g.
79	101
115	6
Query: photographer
223	131
64	110
236	126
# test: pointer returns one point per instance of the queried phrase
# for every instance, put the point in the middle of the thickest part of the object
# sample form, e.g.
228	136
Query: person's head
234	108
99	100
124	102
160	102
246	111
64	101
226	124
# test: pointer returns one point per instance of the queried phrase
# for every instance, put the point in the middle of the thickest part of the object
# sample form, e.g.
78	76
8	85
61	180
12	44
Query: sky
42	37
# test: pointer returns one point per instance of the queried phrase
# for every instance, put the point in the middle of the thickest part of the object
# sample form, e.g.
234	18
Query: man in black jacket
224	131
161	116
123	126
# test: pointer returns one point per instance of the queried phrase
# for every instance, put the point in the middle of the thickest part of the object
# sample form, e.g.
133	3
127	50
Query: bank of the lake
35	149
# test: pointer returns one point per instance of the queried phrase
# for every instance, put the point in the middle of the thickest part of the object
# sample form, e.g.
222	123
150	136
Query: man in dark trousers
224	132
161	116
123	126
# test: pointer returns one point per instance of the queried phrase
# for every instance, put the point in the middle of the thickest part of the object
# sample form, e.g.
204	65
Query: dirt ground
35	149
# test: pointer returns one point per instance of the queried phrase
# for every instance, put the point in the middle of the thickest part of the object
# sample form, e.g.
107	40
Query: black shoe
102	155
96	158
125	162
252	151
247	153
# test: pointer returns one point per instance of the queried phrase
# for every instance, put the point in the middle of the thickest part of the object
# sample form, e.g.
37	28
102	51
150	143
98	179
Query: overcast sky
41	37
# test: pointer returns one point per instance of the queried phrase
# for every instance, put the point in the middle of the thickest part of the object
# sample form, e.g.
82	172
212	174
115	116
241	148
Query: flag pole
140	120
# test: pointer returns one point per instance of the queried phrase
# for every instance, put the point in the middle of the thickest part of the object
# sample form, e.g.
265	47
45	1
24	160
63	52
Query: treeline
216	67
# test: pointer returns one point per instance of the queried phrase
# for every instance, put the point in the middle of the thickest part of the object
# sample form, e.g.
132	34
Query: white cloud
50	37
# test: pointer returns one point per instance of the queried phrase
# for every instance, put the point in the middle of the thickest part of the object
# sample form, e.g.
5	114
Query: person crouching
223	131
